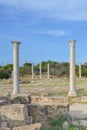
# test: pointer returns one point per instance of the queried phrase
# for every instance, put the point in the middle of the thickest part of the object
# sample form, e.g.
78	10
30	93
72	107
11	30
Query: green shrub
4	75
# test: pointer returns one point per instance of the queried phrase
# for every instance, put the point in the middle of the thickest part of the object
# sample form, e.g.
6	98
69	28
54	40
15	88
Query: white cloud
59	9
52	32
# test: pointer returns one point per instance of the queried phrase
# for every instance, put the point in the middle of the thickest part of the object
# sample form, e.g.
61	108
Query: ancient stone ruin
23	112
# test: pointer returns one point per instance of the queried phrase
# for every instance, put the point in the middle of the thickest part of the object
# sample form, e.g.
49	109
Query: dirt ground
52	86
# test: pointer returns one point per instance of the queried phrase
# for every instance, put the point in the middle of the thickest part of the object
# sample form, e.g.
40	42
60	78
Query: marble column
79	70
72	91
16	88
32	71
40	71
48	71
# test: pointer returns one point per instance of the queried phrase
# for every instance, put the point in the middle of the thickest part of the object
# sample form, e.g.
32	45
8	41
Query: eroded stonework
23	112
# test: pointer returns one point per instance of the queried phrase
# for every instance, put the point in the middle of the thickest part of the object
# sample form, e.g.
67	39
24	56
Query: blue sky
44	28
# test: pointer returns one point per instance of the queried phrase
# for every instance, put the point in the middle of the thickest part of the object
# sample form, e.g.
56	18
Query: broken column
72	91
16	88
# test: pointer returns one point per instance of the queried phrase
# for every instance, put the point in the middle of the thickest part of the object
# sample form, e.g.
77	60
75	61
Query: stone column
32	71
16	88
11	74
72	91
48	71
79	70
40	71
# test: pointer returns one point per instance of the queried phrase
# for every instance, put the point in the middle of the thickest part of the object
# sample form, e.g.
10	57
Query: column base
15	92
72	93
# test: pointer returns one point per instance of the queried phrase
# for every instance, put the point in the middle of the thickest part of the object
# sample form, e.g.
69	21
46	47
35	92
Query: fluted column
72	91
16	88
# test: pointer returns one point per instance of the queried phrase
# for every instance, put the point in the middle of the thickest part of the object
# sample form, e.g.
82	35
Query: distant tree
27	64
85	64
22	71
44	66
4	75
84	70
8	67
36	69
27	68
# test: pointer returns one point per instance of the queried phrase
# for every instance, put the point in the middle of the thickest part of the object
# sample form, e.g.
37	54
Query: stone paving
78	110
78	113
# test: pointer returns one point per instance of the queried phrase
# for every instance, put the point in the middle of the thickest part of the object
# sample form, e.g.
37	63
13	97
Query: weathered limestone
48	71
15	115
72	91
29	127
16	88
50	100
43	113
3	125
20	99
14	112
21	116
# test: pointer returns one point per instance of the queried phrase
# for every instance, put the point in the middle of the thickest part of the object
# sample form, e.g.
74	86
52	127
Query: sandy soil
52	86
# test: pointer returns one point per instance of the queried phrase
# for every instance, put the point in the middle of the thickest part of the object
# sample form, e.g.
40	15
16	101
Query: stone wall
29	127
14	115
59	100
43	113
49	99
20	111
26	127
14	112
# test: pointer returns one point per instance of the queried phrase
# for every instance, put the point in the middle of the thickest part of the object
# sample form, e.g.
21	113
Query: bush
4	75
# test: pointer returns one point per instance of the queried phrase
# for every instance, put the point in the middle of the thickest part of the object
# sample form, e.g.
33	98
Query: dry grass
52	86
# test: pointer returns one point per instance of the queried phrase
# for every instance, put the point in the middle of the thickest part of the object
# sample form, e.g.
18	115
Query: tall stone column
72	91
32	71
48	71
16	88
79	70
40	71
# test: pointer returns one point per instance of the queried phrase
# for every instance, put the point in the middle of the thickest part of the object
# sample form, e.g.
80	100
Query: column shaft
72	91
48	71
16	88
80	71
40	71
32	71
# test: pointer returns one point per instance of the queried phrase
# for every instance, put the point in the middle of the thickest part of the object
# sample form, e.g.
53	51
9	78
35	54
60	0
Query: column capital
15	44
72	43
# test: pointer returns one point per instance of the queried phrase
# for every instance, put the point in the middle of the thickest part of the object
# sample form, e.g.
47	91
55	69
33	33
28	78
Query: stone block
29	127
49	100
20	99
14	112
15	115
3	125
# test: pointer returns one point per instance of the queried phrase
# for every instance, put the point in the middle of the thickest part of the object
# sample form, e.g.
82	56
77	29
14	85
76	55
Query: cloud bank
74	10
